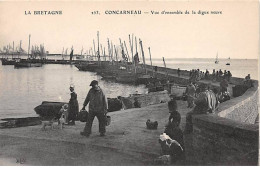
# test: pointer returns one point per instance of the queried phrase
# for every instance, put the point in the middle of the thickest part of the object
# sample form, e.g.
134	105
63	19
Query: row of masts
35	51
113	52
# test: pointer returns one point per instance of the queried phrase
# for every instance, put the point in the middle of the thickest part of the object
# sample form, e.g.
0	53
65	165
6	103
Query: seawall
230	137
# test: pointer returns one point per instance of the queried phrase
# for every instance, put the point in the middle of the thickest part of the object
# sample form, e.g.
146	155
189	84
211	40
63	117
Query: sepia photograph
129	83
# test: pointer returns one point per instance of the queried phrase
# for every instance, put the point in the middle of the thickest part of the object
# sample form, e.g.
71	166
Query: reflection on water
25	88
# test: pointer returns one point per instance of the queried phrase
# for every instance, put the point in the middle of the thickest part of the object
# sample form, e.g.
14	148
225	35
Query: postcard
129	83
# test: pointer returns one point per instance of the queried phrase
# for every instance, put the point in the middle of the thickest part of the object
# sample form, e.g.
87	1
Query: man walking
97	107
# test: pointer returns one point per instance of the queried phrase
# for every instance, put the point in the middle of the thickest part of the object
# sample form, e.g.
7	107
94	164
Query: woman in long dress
73	106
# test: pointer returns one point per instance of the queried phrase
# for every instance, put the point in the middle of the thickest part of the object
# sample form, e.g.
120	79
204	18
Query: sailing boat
228	63
216	61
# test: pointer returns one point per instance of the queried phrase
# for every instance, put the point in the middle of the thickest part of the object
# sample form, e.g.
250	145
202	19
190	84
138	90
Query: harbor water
25	88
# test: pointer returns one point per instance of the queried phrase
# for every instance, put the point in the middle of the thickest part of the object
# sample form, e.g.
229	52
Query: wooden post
29	45
143	55
165	68
151	61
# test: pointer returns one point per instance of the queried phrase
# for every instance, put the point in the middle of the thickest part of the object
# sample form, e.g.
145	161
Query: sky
234	33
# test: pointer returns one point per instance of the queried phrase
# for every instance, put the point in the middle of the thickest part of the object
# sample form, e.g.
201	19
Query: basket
83	115
108	120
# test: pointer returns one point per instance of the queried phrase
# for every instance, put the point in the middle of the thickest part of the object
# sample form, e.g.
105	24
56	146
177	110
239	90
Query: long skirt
73	110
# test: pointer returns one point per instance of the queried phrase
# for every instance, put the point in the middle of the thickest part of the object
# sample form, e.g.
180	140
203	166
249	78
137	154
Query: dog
151	125
61	121
47	123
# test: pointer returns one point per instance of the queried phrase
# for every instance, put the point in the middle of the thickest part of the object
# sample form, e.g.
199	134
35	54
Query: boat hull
27	64
48	110
87	67
8	62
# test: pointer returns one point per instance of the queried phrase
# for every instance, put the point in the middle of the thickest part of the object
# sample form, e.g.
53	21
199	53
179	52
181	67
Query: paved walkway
127	142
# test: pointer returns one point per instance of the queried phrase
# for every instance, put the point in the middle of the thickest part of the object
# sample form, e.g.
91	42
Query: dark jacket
206	102
73	106
97	100
175	117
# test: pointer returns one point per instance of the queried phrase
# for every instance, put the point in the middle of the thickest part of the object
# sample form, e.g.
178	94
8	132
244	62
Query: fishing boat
228	63
35	59
48	109
87	66
7	61
25	63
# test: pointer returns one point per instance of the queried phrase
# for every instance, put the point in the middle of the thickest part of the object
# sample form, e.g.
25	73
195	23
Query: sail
216	61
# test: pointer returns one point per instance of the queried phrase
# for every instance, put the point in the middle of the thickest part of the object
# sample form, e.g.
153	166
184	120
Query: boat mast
143	55
151	60
165	68
98	55
112	52
116	56
131	47
136	66
20	48
109	50
101	50
105	53
29	45
13	50
128	58
62	53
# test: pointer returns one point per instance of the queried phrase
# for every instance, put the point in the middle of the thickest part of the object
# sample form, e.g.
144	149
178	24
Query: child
64	110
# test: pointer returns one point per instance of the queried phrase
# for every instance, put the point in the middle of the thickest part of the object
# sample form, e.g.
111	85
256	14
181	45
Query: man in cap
205	103
97	107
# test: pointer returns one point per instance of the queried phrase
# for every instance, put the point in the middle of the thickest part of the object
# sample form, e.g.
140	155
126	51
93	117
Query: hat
65	106
94	82
72	86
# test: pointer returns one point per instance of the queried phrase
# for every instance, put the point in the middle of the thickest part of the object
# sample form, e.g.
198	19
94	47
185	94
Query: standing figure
175	116
190	91
179	72
97	107
206	102
73	106
223	85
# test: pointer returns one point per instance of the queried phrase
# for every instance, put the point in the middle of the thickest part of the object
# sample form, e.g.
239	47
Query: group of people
206	101
197	74
97	108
